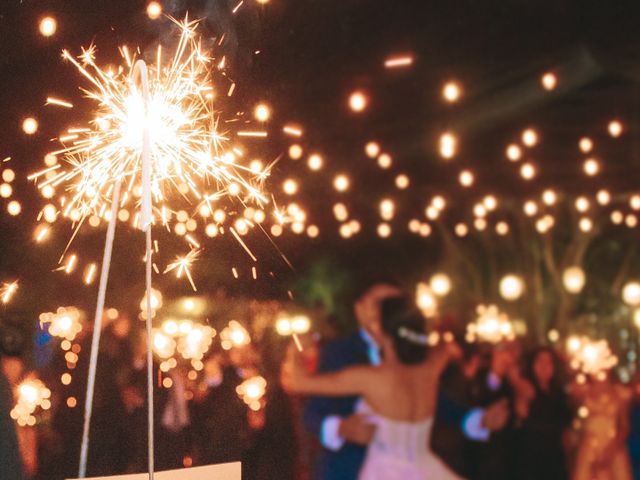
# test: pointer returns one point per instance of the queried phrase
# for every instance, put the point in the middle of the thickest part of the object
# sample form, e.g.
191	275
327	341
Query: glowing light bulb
448	145
402	181
582	204
530	208
549	197
631	293
585	144
591	167
295	152
466	178
14	208
154	10
341	183
290	186
358	101
511	287
440	284
385	161
528	171
514	152
30	126
48	26
603	197
529	137
372	149
451	92
573	279
262	112
615	128
549	81
315	162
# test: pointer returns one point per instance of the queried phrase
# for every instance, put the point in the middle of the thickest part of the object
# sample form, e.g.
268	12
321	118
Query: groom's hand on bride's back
357	428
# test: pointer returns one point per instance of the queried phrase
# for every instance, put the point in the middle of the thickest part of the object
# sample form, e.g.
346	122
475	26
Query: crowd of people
384	402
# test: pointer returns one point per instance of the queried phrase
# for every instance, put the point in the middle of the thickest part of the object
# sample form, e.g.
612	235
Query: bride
399	395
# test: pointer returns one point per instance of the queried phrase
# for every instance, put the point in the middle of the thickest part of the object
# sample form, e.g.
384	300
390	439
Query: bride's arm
349	381
440	356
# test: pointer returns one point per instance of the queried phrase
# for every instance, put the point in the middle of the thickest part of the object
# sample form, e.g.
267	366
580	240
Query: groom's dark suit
345	463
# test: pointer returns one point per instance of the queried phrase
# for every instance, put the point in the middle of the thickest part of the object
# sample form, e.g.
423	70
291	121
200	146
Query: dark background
311	55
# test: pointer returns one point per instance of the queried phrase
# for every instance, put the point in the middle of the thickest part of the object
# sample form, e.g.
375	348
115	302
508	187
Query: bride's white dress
400	451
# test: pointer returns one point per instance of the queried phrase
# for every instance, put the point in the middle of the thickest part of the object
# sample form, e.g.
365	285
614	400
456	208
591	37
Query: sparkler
591	357
234	335
30	395
251	391
7	290
64	323
154	135
491	326
187	153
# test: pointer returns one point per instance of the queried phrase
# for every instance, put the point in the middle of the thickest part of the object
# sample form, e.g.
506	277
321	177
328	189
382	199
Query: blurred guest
543	416
449	441
273	451
493	459
633	442
11	467
220	428
13	368
602	452
134	398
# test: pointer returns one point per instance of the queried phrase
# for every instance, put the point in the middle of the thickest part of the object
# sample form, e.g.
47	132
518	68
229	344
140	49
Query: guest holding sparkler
543	416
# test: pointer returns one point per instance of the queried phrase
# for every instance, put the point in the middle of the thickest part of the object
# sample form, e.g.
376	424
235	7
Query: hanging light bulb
573	279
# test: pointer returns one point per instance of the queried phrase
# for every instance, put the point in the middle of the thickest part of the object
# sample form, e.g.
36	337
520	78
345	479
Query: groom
343	433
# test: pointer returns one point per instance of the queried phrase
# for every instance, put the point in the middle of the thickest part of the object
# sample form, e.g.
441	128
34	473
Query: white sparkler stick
97	328
140	77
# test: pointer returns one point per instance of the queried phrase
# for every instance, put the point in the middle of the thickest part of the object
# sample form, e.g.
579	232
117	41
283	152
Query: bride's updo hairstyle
406	326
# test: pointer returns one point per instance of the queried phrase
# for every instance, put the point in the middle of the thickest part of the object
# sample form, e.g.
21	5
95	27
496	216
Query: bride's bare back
394	390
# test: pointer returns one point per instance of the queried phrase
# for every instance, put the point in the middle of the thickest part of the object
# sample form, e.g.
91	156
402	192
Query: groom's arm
323	416
470	419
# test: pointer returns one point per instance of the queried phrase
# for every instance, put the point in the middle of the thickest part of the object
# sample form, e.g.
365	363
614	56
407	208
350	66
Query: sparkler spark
189	155
182	266
7	290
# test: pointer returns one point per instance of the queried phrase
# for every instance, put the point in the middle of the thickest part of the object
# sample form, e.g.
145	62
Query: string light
529	137
511	287
591	167
466	178
514	152
549	197
451	92
448	145
549	81
615	128
48	26
29	125
154	10
440	284
295	152
315	162
358	101
585	144
341	183
603	197
385	161
528	171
